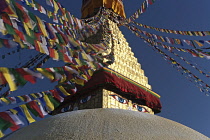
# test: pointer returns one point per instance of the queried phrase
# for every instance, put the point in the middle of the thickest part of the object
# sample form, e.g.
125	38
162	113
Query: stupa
122	84
116	103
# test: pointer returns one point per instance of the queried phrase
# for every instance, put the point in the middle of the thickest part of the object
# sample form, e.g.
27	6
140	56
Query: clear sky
181	100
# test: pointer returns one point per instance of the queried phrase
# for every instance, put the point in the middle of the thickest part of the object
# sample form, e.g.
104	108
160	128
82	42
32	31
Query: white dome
106	124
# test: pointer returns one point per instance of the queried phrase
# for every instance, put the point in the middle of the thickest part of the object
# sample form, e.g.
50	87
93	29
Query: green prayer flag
18	78
10	29
4	125
34	112
53	101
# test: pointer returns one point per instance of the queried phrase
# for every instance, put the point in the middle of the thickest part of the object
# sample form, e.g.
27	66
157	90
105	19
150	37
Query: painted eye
141	109
119	99
75	108
84	100
65	109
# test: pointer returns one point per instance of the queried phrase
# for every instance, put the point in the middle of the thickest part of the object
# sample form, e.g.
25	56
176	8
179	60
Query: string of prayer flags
20	76
44	102
30	63
52	52
80	28
200	83
41	27
56	55
20	28
189	33
194	52
9	117
28	98
189	75
193	79
192	65
175	41
140	11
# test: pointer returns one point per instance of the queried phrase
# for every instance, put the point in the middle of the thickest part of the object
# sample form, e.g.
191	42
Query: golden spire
91	7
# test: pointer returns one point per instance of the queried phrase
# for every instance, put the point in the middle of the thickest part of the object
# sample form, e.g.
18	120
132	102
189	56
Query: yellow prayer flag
33	95
64	91
52	42
5	100
196	33
199	44
182	50
49	13
13	12
64	16
21	98
1	134
56	57
84	76
26	29
78	62
90	72
91	65
42	27
200	33
201	56
92	47
80	81
14	111
84	56
60	18
32	4
29	24
27	2
40	47
189	32
56	8
18	40
170	31
27	114
9	78
73	42
63	79
49	105
45	73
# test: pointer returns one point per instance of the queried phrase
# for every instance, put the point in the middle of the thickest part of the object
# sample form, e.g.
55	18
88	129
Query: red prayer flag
150	2
24	14
33	105
26	76
2	79
6	117
4	7
20	34
56	95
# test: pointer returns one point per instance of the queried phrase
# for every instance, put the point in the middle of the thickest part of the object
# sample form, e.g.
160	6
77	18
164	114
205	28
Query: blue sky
181	100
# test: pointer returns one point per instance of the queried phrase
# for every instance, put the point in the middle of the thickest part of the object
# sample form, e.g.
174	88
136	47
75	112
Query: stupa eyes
119	99
65	109
140	109
84	100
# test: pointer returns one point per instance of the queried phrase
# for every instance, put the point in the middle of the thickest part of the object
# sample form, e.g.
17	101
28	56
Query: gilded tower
122	84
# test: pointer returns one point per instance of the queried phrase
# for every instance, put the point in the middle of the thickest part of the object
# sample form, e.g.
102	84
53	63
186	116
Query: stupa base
106	124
